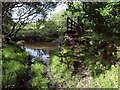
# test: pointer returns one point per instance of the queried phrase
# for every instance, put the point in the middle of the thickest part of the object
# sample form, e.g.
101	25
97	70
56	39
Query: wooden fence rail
73	27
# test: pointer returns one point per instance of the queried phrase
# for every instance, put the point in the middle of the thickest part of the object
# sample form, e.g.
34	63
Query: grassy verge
106	79
64	75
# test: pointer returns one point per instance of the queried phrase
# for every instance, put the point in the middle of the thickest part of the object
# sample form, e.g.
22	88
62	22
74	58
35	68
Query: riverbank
16	71
14	67
41	52
25	73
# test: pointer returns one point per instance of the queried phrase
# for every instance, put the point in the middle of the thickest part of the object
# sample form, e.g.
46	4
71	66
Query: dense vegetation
14	65
106	79
88	60
96	52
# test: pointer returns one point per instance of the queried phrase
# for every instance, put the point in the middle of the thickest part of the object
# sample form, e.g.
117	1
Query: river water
41	50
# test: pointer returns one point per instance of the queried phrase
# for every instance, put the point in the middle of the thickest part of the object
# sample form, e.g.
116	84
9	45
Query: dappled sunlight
77	46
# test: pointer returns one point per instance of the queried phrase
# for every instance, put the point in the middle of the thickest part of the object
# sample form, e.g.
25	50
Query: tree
25	10
102	18
60	21
99	42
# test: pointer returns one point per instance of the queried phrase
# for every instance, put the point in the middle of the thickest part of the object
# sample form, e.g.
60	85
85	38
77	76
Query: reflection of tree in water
46	52
41	52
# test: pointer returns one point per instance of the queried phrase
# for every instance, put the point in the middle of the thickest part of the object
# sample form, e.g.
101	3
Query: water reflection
43	51
40	49
44	54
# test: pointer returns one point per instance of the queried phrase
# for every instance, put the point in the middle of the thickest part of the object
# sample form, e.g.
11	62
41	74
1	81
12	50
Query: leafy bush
108	79
104	75
64	75
10	71
40	79
14	53
14	63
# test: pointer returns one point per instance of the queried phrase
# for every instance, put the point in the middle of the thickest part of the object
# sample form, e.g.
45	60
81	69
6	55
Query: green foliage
109	79
106	11
46	31
60	21
102	33
12	25
105	17
14	63
40	80
74	9
10	52
103	75
10	72
102	18
39	68
98	51
64	75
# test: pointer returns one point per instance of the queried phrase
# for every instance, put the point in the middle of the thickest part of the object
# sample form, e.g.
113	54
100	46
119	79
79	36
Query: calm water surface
40	49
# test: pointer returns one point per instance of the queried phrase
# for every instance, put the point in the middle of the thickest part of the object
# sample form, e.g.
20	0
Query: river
41	50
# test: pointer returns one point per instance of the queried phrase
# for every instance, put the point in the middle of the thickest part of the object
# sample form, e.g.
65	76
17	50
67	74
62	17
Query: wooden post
78	20
67	22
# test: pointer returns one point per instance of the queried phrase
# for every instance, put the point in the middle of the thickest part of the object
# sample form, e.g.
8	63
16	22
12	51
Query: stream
41	50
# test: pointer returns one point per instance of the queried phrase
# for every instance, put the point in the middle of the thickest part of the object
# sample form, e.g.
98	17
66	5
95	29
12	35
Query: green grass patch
104	75
63	75
40	79
107	80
